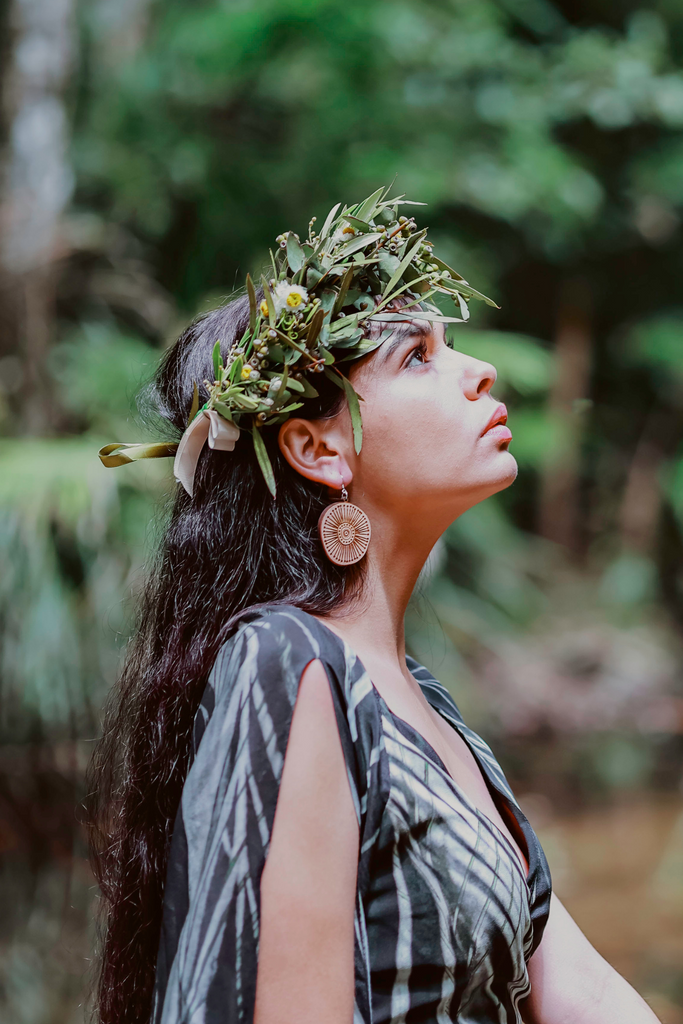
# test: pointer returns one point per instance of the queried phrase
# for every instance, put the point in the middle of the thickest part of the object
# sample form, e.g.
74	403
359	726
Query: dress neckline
489	782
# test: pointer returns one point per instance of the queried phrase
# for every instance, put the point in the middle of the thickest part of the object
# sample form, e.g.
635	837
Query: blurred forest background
150	152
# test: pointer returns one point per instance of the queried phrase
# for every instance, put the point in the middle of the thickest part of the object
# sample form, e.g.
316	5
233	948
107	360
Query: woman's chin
506	469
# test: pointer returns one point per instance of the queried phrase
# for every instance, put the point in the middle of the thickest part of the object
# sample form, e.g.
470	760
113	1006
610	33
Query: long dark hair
229	547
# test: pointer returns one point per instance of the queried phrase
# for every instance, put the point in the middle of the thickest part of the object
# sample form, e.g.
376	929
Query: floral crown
313	316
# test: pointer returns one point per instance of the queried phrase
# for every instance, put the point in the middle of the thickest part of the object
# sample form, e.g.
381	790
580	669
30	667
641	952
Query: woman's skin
426	458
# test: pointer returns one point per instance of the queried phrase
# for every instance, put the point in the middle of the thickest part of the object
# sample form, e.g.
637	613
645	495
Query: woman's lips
500	432
497	425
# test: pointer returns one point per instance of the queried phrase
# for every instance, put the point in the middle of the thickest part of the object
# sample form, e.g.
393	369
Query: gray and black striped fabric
445	919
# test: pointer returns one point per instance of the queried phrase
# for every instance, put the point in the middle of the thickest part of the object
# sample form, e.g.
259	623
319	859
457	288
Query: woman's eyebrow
411	329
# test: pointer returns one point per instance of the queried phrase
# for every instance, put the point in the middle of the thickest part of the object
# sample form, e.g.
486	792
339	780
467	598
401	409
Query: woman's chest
425	724
447	904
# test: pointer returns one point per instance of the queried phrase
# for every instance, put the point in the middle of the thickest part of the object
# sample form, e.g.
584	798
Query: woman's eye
421	351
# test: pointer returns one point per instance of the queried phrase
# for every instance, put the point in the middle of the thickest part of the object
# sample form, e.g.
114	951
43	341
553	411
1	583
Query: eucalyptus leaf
327	300
410	252
276	353
328	222
334	376
313	276
315	326
351	320
355	222
347	340
419	315
462	285
359	242
264	461
268	295
343	289
224	410
294	405
295	254
366	210
244	402
354	408
217	361
236	369
253	309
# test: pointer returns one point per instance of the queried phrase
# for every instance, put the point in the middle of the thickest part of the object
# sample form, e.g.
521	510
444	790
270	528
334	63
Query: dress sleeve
223	828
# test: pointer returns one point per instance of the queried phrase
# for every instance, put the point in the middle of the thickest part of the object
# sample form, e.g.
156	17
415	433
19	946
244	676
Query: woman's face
433	435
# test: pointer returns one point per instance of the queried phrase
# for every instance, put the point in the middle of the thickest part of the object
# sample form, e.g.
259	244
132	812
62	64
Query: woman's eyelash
422	348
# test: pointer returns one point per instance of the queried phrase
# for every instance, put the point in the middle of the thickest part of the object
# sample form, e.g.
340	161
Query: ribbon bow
207	425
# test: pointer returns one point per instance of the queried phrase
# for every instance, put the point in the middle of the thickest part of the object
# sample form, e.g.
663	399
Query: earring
344	531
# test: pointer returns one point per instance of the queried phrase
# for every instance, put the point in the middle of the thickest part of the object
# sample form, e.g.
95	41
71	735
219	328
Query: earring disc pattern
344	532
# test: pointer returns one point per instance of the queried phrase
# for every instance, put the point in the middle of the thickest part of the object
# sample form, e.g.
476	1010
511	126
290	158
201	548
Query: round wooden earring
344	531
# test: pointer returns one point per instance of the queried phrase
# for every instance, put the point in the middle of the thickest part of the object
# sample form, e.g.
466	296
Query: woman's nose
479	378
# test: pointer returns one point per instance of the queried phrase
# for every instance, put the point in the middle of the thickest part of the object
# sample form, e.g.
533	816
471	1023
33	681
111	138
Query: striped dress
445	919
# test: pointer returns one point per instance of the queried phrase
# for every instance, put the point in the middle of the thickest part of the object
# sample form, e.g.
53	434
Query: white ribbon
221	434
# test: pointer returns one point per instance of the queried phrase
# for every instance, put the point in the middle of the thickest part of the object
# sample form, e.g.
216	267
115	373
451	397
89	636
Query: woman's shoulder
270	645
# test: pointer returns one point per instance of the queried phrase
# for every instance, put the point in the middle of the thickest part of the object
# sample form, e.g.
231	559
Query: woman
294	822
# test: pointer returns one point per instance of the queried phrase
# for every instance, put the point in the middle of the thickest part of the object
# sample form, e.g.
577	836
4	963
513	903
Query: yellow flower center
264	308
348	230
293	300
246	370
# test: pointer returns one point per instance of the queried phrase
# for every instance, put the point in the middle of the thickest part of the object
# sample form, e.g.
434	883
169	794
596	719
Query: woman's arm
308	887
572	984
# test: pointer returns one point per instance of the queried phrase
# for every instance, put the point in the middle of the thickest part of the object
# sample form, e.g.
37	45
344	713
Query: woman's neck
373	625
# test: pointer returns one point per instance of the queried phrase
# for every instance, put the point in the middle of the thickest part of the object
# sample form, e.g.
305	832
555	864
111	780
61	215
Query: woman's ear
312	450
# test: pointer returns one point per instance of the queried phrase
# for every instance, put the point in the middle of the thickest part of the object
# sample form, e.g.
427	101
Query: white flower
289	297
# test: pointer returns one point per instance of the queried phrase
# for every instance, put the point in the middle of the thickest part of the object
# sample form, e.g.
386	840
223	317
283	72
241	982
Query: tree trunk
35	186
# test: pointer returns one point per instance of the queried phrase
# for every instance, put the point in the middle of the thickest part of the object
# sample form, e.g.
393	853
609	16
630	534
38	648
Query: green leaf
217	361
327	300
276	353
295	254
253	309
419	314
343	289
313	276
245	402
295	385
290	408
224	410
410	252
264	461
328	221
236	370
366	210
462	286
268	295
334	376
360	242
347	340
355	222
354	408
314	327
345	323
